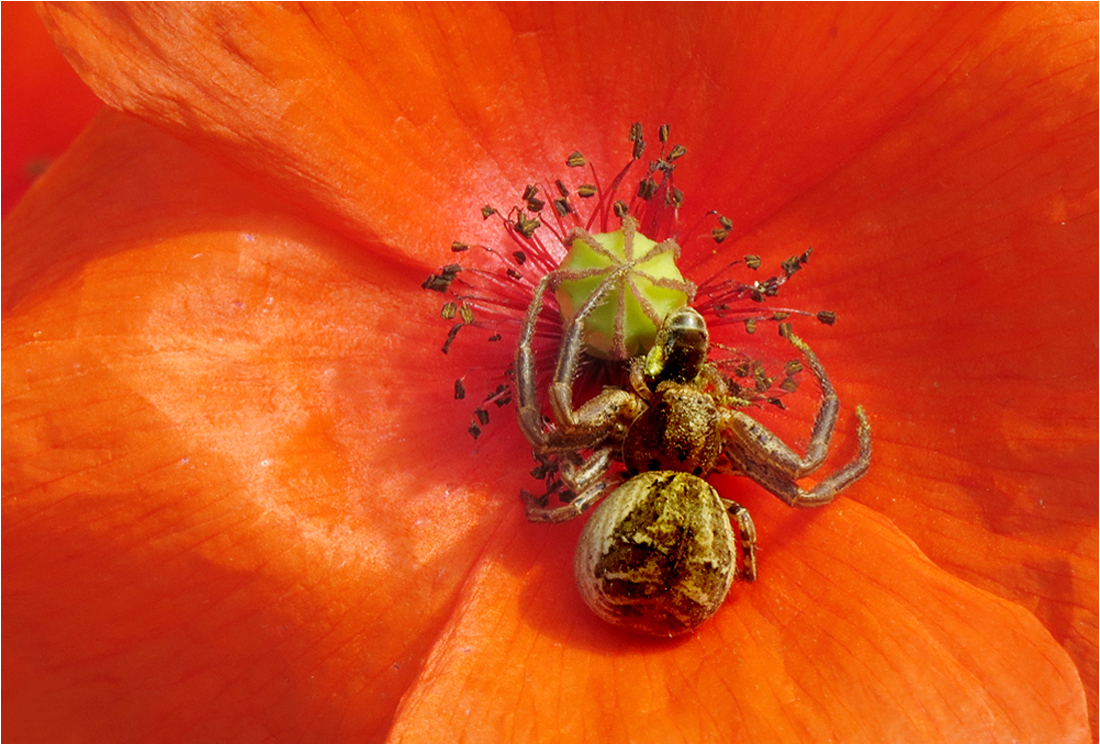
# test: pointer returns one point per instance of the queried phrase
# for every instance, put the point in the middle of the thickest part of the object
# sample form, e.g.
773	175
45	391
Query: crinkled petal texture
240	504
212	525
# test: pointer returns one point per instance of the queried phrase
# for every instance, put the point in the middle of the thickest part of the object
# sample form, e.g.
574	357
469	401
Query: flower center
640	285
624	282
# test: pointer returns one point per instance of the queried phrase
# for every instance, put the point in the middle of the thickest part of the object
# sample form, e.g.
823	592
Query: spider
659	554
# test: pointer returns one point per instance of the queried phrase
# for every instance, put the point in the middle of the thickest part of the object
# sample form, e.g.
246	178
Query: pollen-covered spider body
659	554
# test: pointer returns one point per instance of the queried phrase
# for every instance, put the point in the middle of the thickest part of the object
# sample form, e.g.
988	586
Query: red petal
961	253
221	521
850	634
985	117
45	103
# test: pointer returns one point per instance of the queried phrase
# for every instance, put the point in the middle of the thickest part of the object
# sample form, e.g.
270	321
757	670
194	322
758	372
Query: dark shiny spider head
680	350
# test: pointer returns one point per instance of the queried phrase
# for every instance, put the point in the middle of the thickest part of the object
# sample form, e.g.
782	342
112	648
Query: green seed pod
647	285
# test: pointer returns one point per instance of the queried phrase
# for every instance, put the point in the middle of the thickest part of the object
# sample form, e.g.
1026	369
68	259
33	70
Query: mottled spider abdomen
658	555
678	432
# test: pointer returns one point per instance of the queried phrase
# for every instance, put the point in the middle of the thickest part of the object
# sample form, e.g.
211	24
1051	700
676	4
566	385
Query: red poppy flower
239	499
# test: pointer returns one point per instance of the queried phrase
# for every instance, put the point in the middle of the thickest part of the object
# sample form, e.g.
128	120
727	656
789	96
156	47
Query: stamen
493	286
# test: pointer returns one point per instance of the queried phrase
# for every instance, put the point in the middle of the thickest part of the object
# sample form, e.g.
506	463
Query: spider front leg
605	414
762	456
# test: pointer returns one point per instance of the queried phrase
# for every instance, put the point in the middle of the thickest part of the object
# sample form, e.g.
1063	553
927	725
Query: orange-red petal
926	153
962	253
228	515
231	476
850	635
46	104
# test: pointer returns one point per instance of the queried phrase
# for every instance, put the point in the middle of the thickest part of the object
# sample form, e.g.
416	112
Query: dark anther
500	395
514	274
495	337
520	257
466	313
780	315
530	192
750	325
827	317
482	416
760	379
457	247
639	147
725	222
451	337
677	198
635	131
440	282
719	234
621	209
561	188
790	385
575	159
793	367
561	206
460	390
752	261
526	227
647	188
474	430
785	330
662	133
792	265
535	205
587	190
449	311
530	499
487	212
678	151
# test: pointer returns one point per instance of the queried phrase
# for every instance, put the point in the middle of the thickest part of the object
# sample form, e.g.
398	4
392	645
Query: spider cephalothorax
654	557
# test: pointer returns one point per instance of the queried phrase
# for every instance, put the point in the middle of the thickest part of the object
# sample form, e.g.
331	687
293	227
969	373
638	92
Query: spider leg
604	414
761	444
589	480
746	537
530	418
768	462
825	421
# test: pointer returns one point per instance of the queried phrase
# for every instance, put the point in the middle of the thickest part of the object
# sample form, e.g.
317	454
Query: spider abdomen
658	555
